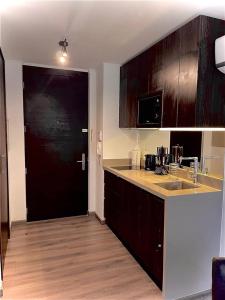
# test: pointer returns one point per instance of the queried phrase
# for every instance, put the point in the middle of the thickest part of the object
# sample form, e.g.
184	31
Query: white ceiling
97	31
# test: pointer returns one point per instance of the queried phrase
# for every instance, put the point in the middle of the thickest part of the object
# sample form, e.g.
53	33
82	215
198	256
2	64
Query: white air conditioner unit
220	53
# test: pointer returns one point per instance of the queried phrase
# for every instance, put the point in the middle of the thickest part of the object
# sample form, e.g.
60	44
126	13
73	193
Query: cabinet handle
159	245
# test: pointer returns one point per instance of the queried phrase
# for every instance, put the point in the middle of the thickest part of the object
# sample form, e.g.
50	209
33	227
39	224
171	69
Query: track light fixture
63	44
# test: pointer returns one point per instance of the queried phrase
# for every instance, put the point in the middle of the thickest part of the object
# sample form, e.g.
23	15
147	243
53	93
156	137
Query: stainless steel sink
177	185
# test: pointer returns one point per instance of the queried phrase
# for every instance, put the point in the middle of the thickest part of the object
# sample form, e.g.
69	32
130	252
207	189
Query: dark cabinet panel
145	229
150	234
143	73
114	192
157	230
132	89
137	218
128	94
170	77
189	53
155	67
124	110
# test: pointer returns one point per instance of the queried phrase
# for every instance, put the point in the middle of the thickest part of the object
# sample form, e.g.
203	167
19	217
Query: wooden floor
72	258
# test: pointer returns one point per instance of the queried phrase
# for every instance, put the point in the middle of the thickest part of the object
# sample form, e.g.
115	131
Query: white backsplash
215	166
151	139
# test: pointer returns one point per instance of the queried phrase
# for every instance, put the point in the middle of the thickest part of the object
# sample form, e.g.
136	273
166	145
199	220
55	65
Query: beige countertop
146	180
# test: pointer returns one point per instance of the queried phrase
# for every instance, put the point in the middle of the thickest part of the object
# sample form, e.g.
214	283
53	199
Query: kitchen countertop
146	180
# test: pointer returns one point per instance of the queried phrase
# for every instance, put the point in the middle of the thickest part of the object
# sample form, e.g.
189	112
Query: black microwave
150	111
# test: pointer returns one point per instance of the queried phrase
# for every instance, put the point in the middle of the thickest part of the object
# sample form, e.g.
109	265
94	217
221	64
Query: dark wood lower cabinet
137	218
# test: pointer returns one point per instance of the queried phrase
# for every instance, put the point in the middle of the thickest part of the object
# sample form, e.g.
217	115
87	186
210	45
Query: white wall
215	166
151	139
99	128
16	156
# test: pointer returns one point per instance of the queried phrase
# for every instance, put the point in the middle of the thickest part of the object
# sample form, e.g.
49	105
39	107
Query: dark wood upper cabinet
142	73
124	109
170	79
182	66
188	74
128	92
155	67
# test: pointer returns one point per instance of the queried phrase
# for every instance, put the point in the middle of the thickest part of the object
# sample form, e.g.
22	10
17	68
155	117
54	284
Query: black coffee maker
150	162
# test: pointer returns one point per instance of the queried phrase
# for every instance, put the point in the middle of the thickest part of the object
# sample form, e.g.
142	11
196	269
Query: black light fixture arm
63	44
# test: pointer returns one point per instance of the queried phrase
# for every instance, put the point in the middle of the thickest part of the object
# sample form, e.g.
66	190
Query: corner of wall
99	127
16	149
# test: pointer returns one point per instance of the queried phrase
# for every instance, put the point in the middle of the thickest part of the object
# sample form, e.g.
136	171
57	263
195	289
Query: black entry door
4	201
56	142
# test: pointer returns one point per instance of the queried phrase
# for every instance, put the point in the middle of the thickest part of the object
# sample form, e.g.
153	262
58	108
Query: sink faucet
195	159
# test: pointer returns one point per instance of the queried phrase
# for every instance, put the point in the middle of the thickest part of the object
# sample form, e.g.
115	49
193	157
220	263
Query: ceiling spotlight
63	44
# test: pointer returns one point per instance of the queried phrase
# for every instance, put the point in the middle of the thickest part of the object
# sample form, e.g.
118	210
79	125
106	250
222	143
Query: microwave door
149	111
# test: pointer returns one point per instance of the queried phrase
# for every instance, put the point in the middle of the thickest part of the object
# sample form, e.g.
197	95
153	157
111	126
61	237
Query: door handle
83	162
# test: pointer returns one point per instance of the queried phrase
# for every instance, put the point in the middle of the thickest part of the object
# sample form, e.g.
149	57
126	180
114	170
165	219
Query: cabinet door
108	199
113	193
144	228
170	77
143	72
189	54
150	234
155	66
125	231
157	233
123	109
131	194
108	208
128	94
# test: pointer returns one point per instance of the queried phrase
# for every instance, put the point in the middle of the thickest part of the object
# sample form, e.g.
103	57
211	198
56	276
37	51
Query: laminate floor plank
73	258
